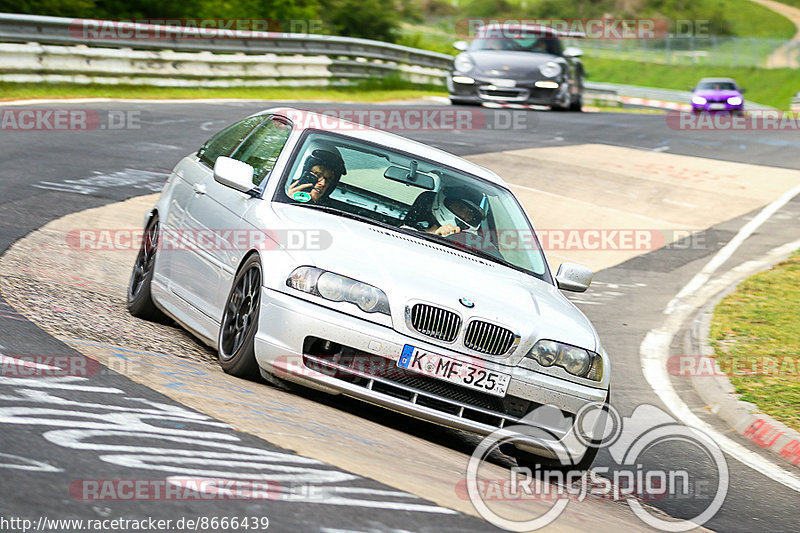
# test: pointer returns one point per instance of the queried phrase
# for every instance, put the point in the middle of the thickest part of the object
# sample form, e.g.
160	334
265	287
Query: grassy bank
757	342
367	92
772	87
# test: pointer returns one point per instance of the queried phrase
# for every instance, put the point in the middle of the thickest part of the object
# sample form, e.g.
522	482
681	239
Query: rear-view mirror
410	177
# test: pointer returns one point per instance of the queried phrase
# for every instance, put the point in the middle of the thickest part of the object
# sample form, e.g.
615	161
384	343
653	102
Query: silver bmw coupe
317	252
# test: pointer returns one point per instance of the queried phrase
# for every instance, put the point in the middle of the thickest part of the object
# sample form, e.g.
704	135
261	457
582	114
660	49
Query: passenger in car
321	173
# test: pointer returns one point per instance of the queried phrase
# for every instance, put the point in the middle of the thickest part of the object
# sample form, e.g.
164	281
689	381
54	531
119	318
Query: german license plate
503	83
473	376
716	106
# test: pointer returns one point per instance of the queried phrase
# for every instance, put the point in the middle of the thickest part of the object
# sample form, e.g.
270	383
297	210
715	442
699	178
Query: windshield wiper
463	248
419	234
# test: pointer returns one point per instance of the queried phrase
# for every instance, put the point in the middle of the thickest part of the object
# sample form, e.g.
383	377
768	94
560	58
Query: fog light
466	80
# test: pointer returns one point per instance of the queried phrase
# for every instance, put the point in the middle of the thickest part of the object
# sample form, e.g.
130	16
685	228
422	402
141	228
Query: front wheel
140	300
577	104
240	322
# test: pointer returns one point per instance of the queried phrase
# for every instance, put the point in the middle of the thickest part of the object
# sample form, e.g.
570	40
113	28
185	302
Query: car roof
356	131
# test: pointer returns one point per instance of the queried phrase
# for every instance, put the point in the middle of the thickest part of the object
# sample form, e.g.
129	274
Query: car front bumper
711	108
483	90
286	324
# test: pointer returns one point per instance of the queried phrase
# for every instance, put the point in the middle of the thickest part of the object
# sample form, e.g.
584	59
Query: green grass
365	92
748	19
755	329
772	87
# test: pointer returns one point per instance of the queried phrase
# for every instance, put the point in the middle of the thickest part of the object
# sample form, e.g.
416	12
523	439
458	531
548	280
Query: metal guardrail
348	58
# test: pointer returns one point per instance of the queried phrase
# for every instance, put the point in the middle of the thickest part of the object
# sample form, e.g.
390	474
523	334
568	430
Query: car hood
711	93
407	268
514	65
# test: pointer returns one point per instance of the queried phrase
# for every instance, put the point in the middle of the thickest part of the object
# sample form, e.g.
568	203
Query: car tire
237	332
565	106
139	298
577	104
533	461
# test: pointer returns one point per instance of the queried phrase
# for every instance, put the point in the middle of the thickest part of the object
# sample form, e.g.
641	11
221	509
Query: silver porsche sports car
317	252
518	64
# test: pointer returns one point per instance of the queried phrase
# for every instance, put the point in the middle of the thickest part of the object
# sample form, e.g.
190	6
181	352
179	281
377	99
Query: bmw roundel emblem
467	303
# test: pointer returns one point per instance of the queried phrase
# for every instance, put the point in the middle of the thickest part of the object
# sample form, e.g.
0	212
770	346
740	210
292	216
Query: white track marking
654	350
727	251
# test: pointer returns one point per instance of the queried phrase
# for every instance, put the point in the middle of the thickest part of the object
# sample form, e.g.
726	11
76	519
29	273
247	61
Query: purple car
717	94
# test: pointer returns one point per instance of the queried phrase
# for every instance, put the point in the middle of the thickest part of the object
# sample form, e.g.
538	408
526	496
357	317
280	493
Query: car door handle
199	188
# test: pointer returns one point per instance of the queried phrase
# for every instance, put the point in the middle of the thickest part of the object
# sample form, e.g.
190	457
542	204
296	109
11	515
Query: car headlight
338	288
698	100
576	361
545	352
735	100
464	80
551	69
463	63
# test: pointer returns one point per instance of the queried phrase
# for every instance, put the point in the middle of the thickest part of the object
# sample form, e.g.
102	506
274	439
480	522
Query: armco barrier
49	49
52	50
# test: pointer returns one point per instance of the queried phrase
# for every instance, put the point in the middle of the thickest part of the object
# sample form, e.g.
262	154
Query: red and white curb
720	395
501	105
649	102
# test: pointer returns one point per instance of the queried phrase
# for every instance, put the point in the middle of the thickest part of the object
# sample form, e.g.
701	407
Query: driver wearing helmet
457	209
320	175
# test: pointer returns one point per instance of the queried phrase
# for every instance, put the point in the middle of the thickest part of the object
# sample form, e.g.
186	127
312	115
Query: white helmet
460	207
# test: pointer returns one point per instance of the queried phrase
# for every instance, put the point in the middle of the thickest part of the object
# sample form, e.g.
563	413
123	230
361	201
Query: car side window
261	149
226	141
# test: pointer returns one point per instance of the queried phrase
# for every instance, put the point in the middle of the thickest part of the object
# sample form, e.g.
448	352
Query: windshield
716	86
413	195
540	44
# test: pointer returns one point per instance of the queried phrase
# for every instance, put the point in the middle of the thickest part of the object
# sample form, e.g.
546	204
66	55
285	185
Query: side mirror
742	90
692	88
461	45
573	51
234	174
572	277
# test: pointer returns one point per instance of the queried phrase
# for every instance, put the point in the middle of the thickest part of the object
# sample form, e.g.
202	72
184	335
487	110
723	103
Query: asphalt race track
381	472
